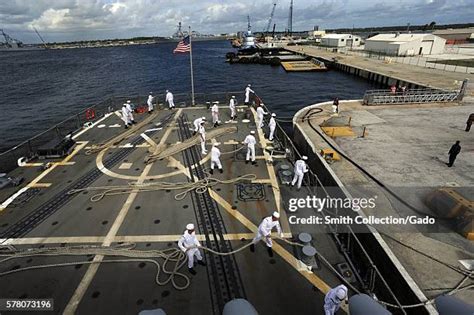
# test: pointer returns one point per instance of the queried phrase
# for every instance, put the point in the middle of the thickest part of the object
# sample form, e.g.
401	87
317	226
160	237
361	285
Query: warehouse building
340	40
405	44
456	36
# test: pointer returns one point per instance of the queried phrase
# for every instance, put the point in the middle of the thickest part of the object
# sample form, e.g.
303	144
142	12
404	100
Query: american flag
183	46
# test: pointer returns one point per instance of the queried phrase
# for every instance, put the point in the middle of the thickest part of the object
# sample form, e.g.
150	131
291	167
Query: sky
69	20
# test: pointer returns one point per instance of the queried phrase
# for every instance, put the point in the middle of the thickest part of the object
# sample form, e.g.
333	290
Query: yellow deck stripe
92	270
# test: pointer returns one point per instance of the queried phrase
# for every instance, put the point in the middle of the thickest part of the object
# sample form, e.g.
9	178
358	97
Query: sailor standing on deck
265	232
272	126
248	90
300	169
215	158
169	99
260	113
232	103
126	116
130	110
150	103
334	299
197	123
250	142
215	113
188	243
202	135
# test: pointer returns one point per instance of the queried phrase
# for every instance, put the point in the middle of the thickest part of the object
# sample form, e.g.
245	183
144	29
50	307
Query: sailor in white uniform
272	126
215	158
265	232
169	99
126	116
149	102
202	135
233	111
260	113
334	299
300	169
130	110
250	142
187	244
215	114
197	123
248	90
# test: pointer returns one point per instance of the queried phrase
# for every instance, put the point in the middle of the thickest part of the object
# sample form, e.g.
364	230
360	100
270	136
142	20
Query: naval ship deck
44	214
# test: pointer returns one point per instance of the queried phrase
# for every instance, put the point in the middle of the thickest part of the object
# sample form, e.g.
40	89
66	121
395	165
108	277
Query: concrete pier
405	147
389	73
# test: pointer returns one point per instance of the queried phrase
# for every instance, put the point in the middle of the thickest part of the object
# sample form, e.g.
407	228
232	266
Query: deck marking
80	146
280	250
149	140
32	164
40	185
125	166
92	126
290	259
285	225
109	238
119	238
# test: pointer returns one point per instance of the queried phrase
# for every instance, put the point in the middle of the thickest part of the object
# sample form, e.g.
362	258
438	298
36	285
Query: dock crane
40	37
265	31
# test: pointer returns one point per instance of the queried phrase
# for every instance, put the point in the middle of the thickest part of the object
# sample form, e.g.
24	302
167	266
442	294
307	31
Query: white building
340	40
406	44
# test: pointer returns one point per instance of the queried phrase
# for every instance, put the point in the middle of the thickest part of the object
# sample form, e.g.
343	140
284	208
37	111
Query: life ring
90	114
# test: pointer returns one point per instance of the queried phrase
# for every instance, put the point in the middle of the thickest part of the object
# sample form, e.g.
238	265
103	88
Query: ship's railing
381	97
28	149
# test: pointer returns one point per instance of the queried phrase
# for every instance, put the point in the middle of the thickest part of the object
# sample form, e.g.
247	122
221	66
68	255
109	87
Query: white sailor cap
252	132
341	293
203	118
128	102
233	96
276	214
304	157
215	144
167	91
249	85
216	102
274	115
190	226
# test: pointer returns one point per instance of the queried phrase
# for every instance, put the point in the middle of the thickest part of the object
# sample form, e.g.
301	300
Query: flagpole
191	64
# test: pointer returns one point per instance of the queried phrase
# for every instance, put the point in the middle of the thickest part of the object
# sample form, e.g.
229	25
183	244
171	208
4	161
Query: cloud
63	20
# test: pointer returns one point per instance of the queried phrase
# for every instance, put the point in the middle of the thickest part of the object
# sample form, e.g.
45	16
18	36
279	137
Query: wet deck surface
49	217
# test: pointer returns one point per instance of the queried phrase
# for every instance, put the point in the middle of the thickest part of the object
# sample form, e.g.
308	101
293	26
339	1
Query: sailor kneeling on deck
265	232
188	244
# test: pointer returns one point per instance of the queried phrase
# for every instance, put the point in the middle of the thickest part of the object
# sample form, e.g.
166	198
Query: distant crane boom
37	33
249	28
270	18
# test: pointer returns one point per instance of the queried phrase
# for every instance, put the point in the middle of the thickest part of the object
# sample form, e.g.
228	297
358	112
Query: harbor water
41	88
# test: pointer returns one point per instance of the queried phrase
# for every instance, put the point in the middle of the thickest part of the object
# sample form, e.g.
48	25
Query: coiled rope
199	187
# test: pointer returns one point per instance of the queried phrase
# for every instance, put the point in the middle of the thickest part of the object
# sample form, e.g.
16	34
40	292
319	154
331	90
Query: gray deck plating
154	220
